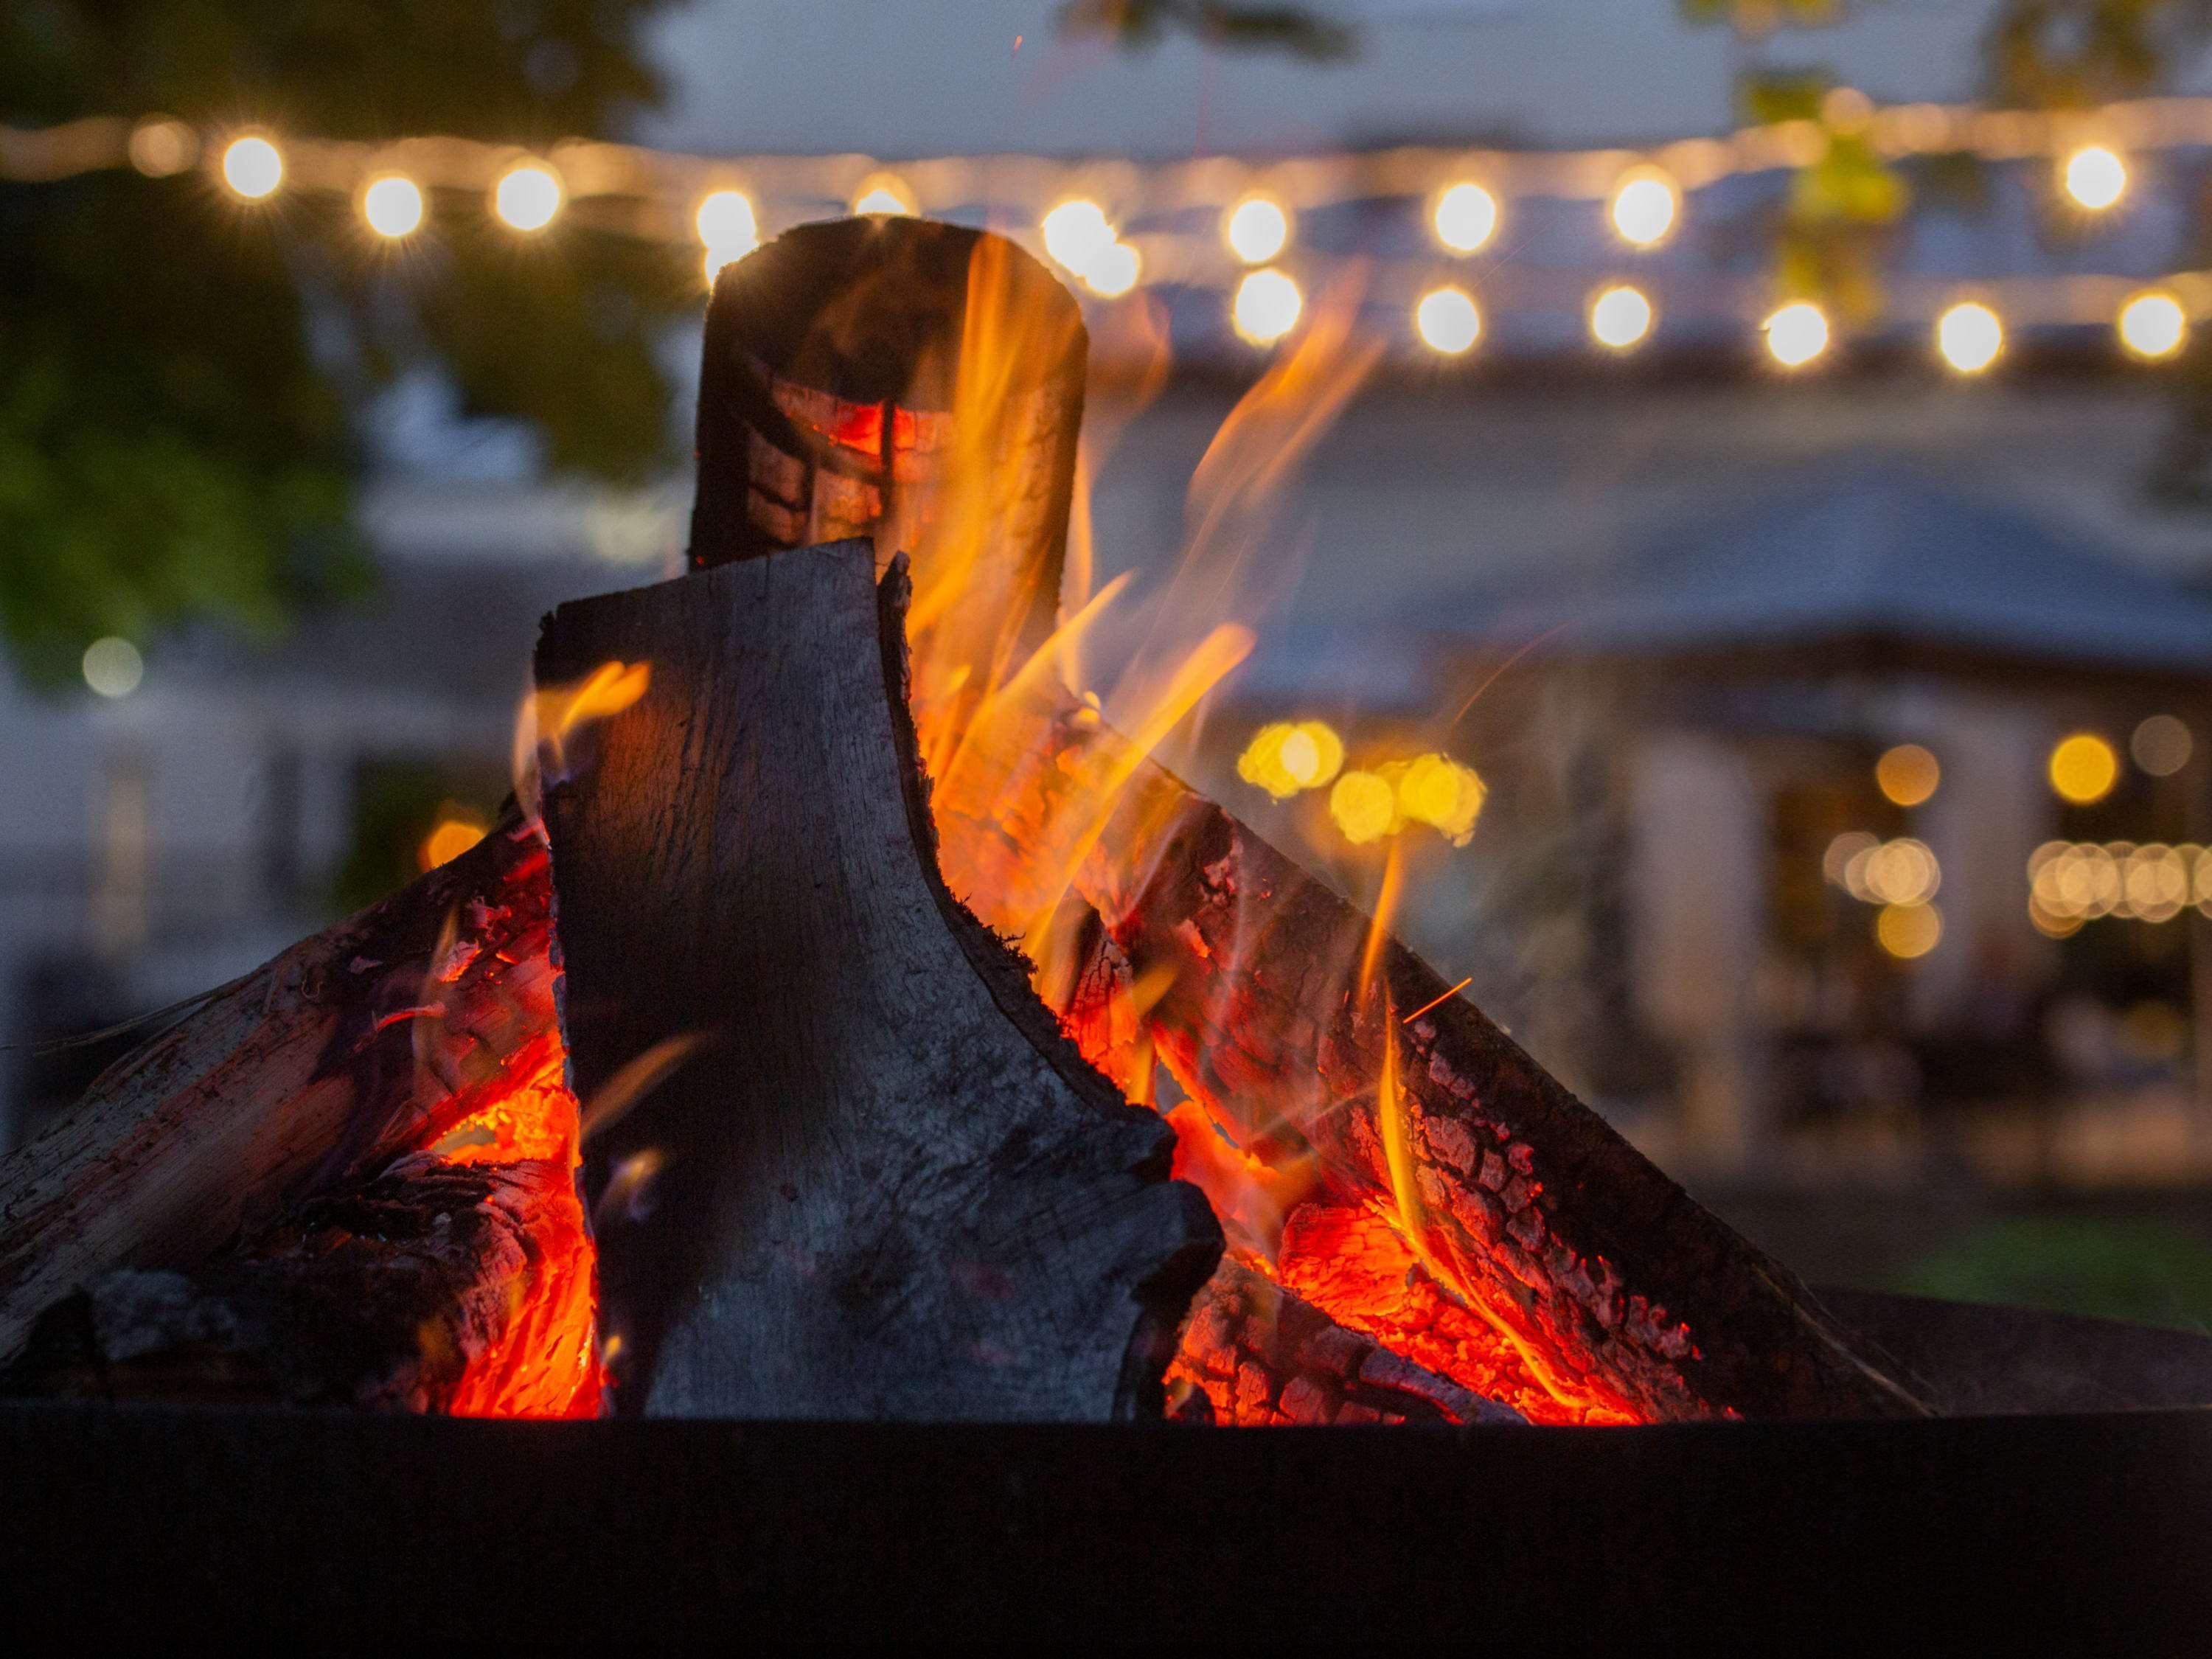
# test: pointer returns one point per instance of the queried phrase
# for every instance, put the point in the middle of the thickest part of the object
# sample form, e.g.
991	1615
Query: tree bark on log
875	1179
300	1079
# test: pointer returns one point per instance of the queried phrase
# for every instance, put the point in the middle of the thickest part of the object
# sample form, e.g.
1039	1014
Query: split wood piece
1254	1354
423	1290
874	1180
1627	1294
307	1075
915	382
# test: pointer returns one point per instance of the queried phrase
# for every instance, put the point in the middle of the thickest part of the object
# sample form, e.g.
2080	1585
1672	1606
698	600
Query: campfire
853	1019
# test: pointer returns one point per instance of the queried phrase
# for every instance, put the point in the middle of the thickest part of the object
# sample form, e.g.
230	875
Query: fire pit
711	1085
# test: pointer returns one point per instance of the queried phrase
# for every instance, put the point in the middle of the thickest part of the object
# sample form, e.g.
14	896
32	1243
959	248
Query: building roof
1882	553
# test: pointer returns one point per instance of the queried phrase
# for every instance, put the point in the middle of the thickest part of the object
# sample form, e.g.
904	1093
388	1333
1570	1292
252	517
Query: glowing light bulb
1257	229
252	167
883	194
2095	176
112	667
1970	336
1466	217
1619	317
1115	271
1448	320
527	196
392	205
2154	325
1266	307
2083	769
1796	334
1644	208
1076	233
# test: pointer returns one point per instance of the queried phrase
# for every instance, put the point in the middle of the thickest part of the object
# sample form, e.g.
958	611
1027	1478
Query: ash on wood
878	1181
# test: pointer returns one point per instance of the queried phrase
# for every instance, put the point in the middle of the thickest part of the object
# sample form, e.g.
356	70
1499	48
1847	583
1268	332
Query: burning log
302	1079
872	1178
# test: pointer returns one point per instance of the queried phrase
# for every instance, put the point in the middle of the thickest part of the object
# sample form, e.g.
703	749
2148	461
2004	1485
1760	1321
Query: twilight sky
909	77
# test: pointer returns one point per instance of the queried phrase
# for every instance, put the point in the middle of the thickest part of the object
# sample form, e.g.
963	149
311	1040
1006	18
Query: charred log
303	1078
875	1179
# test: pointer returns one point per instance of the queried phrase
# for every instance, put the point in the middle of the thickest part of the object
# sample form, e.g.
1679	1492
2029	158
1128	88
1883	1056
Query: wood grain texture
306	1075
880	1184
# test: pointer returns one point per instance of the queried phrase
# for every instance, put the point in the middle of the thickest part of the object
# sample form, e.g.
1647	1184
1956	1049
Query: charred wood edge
1607	1258
292	1081
378	1298
1163	1298
1274	1353
1076	1213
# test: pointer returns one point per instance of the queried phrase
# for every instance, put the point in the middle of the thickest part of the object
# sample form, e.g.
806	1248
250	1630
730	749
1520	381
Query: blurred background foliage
2115	1269
179	389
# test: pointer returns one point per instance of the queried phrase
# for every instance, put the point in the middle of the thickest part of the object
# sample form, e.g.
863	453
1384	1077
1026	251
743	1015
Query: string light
1267	306
1644	208
527	196
1969	336
2152	325
1448	320
1465	217
1257	229
393	204
252	166
1796	334
2095	176
1619	317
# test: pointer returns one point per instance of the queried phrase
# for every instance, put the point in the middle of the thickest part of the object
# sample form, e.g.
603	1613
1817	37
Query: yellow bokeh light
2152	325
1907	930
1364	806
527	196
1619	317
1796	334
1257	229
2095	176
726	220
160	146
456	832
2162	745
1466	217
1448	320
1970	336
1438	790
1644	208
2083	769
1283	758
1116	271
1907	774
1266	307
392	205
883	193
252	167
1076	232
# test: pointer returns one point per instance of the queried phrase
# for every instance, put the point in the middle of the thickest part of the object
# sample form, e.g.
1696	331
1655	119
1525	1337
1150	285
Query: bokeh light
1448	320
392	205
1907	774
1619	317
1908	930
457	831
527	196
2095	176
252	166
1970	336
1364	806
1076	232
112	667
1283	758
1644	208
1796	334
1116	271
883	193
160	146
1266	307
726	219
1466	217
1438	790
2083	769
2152	325
1257	229
2162	745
